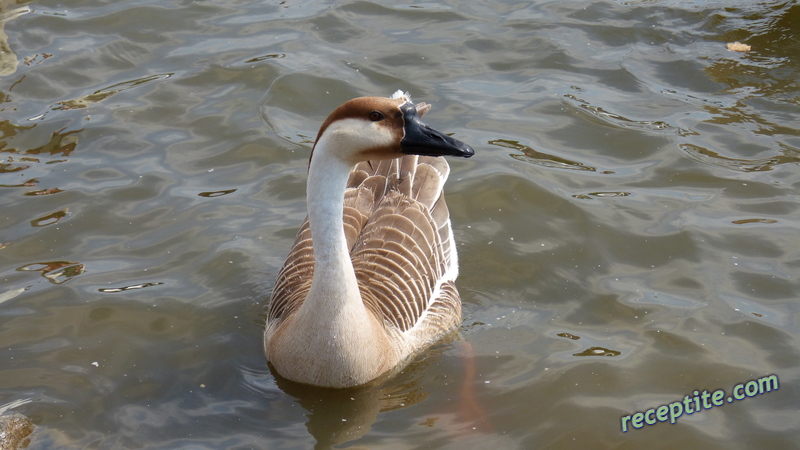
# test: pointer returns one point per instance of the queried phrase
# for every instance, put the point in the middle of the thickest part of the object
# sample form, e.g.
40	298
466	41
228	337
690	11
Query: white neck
334	278
336	328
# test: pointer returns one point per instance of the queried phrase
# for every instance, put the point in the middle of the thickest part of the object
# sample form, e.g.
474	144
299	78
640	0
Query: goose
369	281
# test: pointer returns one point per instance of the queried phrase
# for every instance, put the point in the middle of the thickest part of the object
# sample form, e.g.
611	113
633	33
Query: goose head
380	128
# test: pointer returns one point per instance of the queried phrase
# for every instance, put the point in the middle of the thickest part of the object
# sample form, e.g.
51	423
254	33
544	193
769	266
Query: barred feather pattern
398	229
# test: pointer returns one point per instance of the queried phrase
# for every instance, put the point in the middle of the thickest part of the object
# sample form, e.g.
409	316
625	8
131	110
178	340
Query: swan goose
376	283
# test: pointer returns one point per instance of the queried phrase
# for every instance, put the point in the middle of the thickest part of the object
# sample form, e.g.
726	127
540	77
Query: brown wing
294	279
403	253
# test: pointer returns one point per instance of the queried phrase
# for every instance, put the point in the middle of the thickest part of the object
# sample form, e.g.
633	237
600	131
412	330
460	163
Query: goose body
370	278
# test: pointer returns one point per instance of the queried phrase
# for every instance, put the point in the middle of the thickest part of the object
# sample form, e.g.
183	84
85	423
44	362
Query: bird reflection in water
337	416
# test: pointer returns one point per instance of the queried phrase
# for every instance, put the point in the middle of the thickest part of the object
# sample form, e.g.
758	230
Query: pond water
628	229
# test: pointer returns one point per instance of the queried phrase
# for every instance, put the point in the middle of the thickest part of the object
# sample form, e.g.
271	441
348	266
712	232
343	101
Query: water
628	230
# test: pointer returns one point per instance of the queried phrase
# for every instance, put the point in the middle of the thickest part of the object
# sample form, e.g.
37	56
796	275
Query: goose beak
421	139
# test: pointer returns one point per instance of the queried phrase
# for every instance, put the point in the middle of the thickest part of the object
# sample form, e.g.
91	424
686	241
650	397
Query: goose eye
376	116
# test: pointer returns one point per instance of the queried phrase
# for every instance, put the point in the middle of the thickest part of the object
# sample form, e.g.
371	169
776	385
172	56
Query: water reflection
31	182
601	194
568	336
543	159
8	59
763	78
217	193
129	288
10	167
61	143
621	121
336	416
102	94
265	57
49	219
56	215
636	193
711	157
746	221
598	351
56	272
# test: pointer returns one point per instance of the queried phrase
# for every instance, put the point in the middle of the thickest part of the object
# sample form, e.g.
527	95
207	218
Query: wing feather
398	228
407	241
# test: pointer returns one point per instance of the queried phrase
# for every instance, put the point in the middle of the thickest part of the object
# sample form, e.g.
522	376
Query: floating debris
738	47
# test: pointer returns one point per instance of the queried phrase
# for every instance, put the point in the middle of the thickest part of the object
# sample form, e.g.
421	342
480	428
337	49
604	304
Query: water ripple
627	230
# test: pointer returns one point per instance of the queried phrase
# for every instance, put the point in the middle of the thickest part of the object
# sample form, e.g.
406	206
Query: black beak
420	139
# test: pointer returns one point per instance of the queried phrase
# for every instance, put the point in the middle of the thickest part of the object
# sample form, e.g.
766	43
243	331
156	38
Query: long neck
332	340
333	304
333	270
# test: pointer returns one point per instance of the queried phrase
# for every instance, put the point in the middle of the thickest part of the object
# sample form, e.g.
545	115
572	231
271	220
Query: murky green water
628	230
